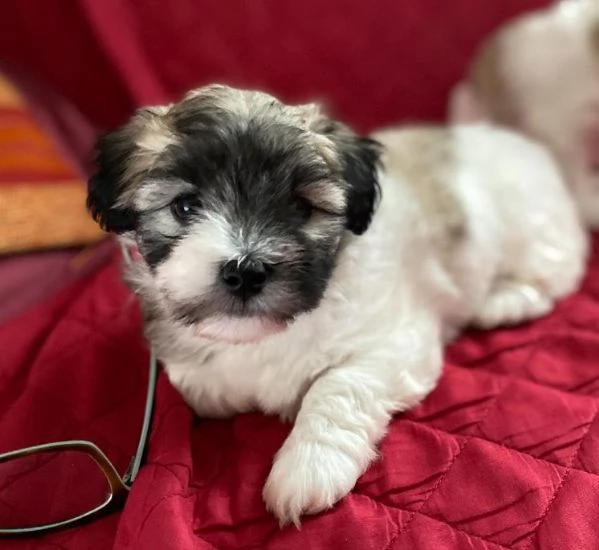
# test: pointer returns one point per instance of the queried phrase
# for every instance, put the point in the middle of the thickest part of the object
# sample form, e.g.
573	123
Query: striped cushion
42	198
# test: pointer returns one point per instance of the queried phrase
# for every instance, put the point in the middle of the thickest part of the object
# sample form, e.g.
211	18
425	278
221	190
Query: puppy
539	74
287	265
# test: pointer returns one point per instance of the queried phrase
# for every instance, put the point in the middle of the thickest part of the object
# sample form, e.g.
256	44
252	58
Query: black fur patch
360	164
246	166
113	152
360	159
154	247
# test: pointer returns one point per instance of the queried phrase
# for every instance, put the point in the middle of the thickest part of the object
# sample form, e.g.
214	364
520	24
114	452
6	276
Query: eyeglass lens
49	487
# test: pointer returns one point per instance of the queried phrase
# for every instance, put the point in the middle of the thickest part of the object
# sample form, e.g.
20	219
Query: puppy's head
237	204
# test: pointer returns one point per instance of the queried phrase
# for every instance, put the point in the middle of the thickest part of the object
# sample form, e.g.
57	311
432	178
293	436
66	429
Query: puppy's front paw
307	478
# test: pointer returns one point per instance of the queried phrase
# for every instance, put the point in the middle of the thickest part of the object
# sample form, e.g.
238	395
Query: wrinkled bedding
503	454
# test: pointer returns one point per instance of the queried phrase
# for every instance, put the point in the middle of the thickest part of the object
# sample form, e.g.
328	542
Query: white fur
374	345
557	80
238	330
195	262
551	75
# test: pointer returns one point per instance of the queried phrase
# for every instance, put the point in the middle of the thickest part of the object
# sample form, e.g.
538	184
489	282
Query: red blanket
503	454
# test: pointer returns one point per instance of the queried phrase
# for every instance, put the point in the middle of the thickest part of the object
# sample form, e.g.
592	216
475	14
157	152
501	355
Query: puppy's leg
511	302
343	417
546	274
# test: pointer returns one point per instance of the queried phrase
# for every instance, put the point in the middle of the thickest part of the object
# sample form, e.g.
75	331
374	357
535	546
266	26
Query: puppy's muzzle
245	279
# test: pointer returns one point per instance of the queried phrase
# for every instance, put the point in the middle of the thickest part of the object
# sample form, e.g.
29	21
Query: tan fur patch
156	135
322	226
152	134
424	159
490	84
239	102
151	129
328	196
595	39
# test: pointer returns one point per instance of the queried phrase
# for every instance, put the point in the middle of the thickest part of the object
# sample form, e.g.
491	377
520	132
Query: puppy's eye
304	207
184	207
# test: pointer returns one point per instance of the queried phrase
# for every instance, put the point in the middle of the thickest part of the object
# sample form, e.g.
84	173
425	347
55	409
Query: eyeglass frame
119	486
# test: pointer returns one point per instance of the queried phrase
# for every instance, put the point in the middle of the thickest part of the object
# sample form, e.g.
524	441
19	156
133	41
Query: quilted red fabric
503	454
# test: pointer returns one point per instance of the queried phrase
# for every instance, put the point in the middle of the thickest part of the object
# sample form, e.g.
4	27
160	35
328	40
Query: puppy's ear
359	159
122	157
113	154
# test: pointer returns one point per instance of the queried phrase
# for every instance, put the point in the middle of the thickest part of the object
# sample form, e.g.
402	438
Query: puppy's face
238	205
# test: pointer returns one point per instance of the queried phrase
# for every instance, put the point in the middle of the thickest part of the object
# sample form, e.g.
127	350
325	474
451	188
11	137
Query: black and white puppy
291	266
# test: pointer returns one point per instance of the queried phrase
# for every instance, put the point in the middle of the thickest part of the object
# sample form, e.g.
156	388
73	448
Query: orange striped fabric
42	199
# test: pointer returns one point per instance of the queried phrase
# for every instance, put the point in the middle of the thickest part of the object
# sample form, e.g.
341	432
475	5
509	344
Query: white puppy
539	74
283	269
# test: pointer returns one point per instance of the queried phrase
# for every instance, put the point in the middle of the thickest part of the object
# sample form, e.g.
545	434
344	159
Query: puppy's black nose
246	278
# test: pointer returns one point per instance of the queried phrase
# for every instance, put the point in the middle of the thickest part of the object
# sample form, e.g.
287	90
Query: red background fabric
375	62
503	454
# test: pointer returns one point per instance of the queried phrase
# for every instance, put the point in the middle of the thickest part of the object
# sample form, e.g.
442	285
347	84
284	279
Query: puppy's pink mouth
239	330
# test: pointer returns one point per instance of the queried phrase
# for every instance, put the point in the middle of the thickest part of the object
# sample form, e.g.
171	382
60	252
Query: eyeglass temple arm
136	461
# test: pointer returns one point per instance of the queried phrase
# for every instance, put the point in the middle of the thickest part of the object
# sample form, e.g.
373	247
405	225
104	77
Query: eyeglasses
30	478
